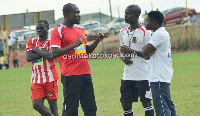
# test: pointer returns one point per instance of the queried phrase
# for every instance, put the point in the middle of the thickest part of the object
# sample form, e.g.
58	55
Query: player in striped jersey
44	72
134	82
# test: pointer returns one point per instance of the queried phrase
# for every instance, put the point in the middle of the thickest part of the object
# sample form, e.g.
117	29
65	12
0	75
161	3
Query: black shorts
131	90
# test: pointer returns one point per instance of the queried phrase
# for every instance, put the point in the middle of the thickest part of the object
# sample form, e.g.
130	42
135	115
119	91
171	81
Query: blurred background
106	16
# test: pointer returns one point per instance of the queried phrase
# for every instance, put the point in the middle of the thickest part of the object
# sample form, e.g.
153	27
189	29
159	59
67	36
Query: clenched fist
78	42
100	36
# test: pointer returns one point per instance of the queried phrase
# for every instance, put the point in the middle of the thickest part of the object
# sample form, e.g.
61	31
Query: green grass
15	87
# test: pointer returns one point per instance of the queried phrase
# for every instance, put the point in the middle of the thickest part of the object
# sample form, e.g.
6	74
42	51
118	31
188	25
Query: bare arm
126	60
91	48
43	53
147	51
31	56
56	52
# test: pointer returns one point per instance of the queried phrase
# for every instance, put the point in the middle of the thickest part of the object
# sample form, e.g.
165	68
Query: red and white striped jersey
43	70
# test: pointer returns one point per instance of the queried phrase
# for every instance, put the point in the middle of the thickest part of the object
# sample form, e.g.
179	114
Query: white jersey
136	40
160	63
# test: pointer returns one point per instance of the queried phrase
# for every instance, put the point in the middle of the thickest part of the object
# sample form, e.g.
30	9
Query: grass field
185	88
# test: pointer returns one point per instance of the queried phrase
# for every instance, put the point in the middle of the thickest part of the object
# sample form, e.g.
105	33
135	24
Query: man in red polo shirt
69	44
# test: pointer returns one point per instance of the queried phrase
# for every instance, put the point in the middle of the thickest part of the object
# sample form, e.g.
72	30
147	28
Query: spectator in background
5	34
144	16
186	23
15	58
1	47
2	61
10	43
194	24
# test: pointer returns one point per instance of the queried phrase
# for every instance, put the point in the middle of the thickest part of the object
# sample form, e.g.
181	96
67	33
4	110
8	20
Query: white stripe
34	74
55	46
128	112
161	101
148	108
28	50
43	74
59	30
49	72
38	81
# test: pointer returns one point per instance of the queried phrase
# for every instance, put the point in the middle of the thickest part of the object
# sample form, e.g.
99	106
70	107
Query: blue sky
90	6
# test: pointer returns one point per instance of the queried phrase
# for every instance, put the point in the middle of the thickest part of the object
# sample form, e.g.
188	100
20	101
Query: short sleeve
49	45
120	39
147	36
56	38
157	40
29	45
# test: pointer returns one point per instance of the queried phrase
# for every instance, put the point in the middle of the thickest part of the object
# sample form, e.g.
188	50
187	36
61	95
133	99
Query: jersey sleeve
56	36
120	39
157	40
147	37
49	45
29	45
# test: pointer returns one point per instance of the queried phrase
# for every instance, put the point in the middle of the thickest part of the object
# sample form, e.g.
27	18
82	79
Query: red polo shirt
75	61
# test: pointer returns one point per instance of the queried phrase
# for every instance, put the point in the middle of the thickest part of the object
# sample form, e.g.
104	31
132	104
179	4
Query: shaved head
134	8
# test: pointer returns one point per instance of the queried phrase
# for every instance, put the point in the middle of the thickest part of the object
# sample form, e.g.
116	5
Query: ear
67	14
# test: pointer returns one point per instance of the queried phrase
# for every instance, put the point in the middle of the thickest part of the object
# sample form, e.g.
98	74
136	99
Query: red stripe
45	70
40	73
142	29
125	28
32	73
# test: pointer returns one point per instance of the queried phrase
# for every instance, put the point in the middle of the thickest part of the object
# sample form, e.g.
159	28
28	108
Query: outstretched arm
91	48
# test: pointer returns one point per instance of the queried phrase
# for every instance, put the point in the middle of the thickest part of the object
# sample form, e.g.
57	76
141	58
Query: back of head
135	8
156	16
67	8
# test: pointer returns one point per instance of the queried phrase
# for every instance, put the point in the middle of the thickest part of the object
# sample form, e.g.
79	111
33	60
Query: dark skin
70	19
148	49
131	17
36	53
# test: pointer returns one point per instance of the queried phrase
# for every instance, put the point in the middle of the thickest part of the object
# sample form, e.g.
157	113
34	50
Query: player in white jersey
160	64
134	82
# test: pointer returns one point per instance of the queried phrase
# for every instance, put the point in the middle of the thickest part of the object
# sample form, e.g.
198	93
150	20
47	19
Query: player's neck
42	39
68	24
156	28
134	26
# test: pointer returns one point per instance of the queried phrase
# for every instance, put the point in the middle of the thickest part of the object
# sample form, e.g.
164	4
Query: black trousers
15	62
78	88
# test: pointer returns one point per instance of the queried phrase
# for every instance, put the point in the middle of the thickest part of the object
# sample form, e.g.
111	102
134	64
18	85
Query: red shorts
49	90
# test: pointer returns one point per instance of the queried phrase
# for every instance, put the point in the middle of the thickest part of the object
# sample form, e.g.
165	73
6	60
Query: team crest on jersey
50	94
134	40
